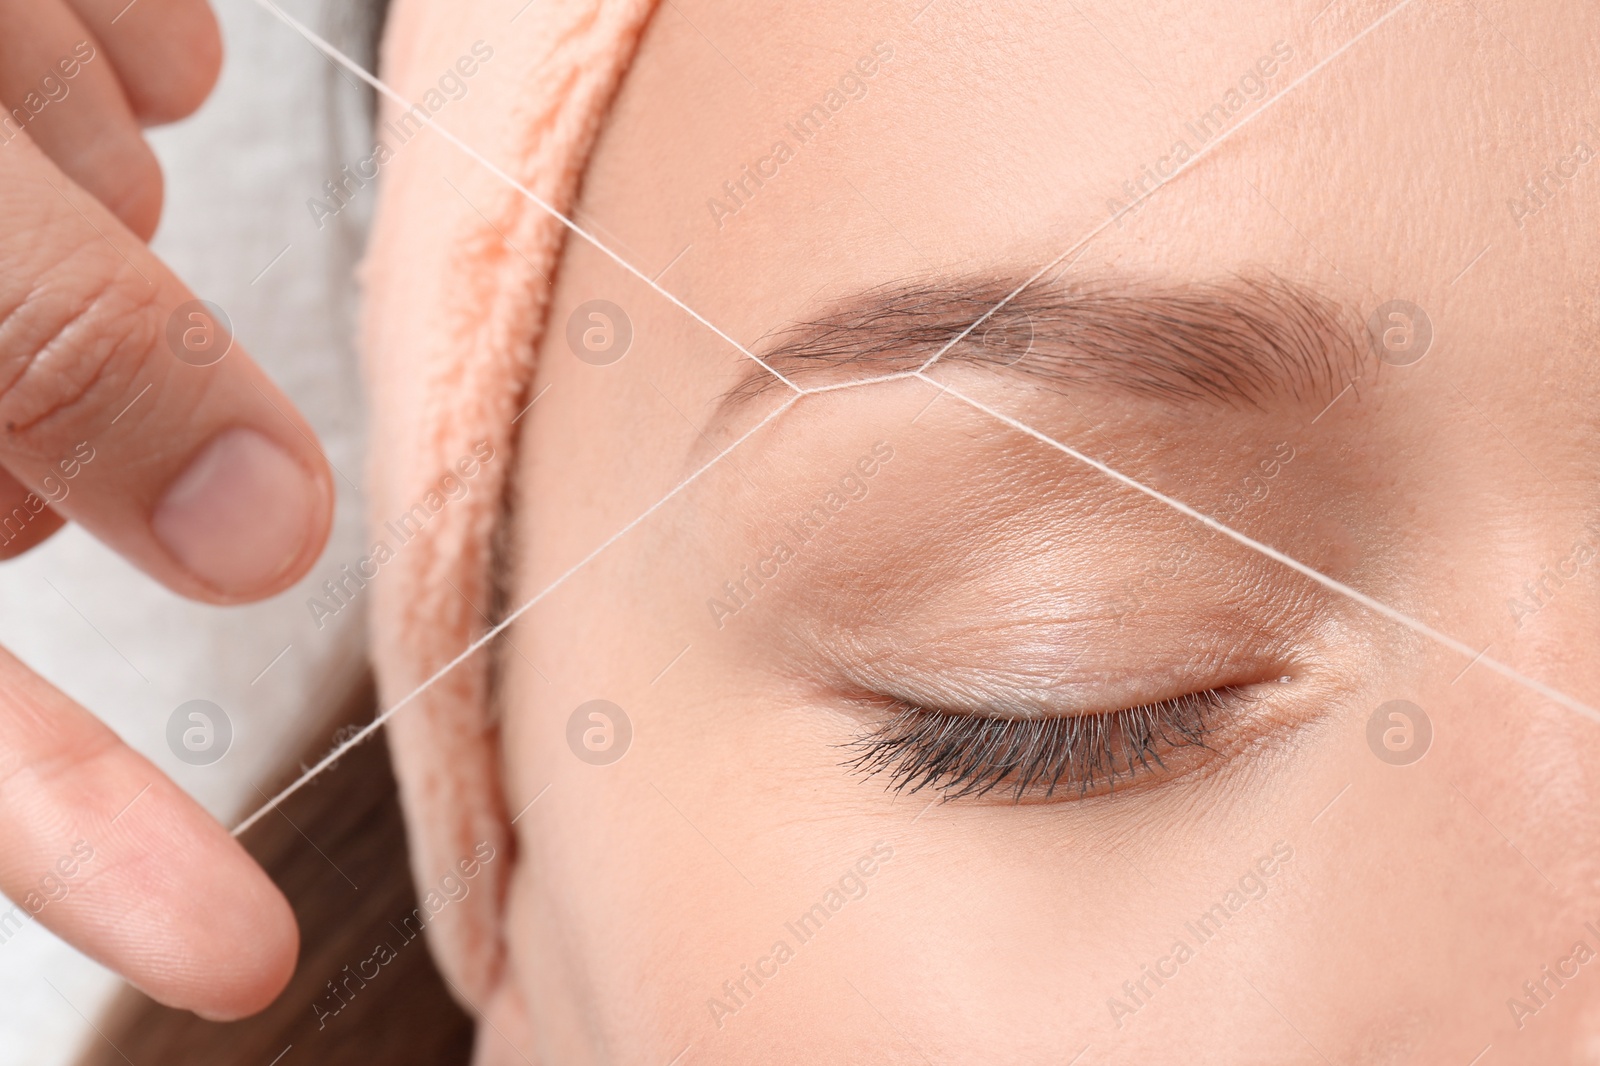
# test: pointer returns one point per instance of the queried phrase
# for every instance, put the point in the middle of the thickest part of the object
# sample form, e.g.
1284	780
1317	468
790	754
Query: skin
1406	904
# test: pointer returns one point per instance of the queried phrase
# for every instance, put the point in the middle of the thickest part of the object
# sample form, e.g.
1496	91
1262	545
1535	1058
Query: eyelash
971	755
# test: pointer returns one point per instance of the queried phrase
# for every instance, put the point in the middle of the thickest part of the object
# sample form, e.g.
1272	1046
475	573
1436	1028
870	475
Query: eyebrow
1239	341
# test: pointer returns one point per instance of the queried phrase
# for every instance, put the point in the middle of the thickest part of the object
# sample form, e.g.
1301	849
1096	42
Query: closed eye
971	755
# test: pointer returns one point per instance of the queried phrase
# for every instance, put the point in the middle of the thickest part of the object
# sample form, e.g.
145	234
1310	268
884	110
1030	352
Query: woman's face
1357	326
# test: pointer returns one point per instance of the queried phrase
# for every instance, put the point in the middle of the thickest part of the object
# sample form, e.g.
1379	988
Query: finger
61	91
26	519
202	475
167	52
118	861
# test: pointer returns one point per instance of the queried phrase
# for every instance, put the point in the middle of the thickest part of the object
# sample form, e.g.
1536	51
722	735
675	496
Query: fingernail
240	515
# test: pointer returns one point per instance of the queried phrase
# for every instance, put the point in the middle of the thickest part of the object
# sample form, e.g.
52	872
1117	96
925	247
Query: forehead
767	158
764	164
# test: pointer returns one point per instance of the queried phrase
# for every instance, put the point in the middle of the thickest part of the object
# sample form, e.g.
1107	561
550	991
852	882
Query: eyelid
971	755
986	660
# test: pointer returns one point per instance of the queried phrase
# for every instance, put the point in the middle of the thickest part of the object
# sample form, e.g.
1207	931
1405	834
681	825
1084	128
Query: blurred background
237	228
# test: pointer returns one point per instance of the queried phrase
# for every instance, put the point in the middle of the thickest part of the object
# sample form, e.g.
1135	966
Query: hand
201	475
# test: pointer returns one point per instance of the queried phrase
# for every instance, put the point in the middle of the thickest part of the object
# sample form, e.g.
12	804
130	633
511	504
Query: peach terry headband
456	299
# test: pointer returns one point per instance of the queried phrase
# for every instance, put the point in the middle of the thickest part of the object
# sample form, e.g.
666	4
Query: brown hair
337	849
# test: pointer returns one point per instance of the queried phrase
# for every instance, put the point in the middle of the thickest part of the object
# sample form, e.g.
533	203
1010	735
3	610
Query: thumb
126	404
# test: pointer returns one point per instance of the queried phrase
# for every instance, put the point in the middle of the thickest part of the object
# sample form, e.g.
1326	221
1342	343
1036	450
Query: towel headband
455	304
